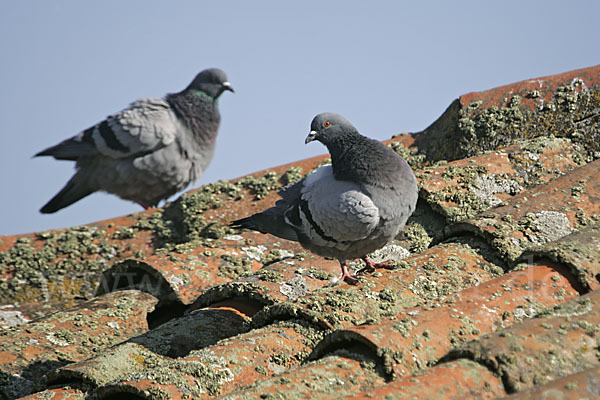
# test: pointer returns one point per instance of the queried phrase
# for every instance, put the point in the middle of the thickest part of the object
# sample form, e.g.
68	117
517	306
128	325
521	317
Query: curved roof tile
460	379
438	271
28	352
244	315
579	251
62	393
417	338
539	215
561	342
582	385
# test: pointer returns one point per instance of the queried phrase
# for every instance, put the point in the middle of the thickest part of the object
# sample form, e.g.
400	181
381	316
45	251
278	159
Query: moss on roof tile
62	266
573	112
181	225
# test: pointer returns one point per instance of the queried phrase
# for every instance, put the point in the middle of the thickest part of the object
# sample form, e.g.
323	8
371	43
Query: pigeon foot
346	276
371	266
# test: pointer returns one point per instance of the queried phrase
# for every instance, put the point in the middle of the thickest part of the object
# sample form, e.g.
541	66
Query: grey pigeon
147	152
348	209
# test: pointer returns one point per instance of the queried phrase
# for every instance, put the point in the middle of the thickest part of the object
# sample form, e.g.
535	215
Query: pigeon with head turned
348	209
147	152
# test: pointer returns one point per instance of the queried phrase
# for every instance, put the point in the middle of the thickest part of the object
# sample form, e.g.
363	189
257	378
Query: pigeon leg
371	265
144	206
346	276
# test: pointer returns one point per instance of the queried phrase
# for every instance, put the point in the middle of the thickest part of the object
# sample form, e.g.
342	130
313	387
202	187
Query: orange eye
326	124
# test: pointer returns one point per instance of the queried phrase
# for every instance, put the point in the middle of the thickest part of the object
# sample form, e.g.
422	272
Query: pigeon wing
334	211
145	126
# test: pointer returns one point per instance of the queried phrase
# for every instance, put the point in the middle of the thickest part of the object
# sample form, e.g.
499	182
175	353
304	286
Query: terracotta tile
335	377
562	105
298	274
582	385
63	393
232	341
109	365
243	360
579	251
133	369
457	380
21	313
545	86
64	266
163	346
540	160
175	277
29	351
540	350
435	273
266	351
539	215
461	189
419	337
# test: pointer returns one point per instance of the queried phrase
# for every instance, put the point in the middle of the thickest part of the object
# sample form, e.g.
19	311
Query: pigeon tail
267	223
72	149
73	191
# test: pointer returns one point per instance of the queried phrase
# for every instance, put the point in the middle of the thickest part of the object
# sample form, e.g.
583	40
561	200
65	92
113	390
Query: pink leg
371	265
145	207
346	276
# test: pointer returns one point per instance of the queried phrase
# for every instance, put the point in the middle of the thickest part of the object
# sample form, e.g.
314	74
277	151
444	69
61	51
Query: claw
349	278
371	266
346	276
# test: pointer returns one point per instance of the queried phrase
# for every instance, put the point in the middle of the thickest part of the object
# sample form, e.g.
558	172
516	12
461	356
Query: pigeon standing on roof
348	209
147	152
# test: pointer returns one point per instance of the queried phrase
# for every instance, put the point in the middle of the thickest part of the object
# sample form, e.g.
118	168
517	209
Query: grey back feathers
147	152
350	208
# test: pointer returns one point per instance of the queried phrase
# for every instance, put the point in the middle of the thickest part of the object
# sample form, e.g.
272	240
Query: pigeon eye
326	124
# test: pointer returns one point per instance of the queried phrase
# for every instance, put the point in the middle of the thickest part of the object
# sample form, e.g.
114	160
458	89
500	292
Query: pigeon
348	209
148	151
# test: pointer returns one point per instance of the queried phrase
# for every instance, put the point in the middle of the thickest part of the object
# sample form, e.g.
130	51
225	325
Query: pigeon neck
363	160
344	154
201	93
197	112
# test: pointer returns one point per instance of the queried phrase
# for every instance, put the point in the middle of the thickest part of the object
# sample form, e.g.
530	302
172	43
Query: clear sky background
388	66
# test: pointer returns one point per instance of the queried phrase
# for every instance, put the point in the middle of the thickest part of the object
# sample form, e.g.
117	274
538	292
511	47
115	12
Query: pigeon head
329	129
355	157
212	82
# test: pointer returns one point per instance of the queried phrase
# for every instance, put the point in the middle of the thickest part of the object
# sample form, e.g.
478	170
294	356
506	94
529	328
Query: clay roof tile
460	379
539	215
559	342
579	251
418	337
582	385
29	351
488	293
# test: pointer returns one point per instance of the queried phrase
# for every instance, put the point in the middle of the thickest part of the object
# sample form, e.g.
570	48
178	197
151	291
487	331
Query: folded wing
335	212
145	126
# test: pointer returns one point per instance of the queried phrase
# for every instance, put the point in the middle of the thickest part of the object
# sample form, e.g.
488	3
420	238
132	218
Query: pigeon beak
311	136
227	86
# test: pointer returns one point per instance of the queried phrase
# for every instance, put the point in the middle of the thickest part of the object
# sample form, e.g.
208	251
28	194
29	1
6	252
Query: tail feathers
73	191
69	149
267	223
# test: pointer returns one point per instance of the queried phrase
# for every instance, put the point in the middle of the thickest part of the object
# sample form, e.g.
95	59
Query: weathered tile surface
494	290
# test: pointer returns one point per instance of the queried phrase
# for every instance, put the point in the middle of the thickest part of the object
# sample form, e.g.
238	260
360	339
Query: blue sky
389	67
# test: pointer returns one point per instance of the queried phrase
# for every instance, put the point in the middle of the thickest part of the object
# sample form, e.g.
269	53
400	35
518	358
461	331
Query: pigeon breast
336	211
335	217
